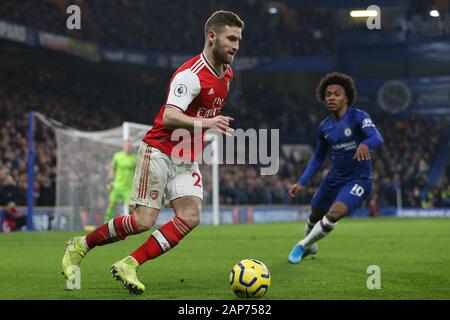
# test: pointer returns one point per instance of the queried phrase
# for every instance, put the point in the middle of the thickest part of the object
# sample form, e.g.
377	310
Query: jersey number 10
357	190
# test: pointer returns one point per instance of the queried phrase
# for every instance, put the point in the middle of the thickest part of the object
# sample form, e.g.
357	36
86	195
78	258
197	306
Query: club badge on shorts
154	194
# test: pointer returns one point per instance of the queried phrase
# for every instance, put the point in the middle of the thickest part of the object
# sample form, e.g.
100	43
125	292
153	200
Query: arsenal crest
154	194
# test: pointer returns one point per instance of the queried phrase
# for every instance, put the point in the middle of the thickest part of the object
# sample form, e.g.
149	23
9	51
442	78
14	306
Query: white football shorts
158	180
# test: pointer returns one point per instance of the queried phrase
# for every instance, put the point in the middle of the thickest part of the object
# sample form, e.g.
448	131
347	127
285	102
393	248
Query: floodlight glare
273	10
363	13
434	13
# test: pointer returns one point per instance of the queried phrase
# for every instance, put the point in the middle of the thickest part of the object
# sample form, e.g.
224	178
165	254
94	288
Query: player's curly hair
340	79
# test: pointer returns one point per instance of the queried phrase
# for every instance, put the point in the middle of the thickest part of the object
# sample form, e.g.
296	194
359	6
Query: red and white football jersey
197	90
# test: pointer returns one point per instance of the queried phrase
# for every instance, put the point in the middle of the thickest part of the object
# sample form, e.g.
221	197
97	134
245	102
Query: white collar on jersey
211	68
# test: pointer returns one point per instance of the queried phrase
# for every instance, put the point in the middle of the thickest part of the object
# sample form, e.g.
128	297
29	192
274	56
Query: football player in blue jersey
350	134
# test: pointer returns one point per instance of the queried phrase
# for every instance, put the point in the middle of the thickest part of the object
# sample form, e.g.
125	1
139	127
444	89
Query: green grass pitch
413	255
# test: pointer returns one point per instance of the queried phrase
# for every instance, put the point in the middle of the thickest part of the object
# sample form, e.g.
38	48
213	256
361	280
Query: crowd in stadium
292	30
293	27
97	102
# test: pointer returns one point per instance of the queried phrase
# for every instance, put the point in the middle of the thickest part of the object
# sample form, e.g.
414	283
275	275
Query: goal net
83	162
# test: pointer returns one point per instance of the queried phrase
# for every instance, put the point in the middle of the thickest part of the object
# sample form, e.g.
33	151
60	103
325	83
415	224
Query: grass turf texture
412	253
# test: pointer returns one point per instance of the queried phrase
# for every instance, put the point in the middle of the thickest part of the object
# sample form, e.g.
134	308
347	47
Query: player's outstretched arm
316	161
174	119
374	139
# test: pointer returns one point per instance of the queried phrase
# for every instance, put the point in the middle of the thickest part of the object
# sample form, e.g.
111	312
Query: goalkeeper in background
120	178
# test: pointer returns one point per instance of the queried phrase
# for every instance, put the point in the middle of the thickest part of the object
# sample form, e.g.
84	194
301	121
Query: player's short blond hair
220	19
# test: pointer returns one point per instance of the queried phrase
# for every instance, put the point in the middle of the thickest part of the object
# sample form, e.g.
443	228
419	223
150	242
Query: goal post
30	171
215	177
133	131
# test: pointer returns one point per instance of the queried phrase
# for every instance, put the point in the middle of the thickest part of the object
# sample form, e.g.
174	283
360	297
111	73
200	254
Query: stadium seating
293	30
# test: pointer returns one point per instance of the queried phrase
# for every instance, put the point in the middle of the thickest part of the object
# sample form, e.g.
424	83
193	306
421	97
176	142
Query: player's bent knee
337	211
143	225
145	217
333	216
191	217
188	209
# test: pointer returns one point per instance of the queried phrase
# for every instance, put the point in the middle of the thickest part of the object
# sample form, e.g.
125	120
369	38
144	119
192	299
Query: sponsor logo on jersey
351	145
218	102
348	132
208	113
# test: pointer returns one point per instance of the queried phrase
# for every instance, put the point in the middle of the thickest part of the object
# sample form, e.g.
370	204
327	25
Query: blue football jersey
343	138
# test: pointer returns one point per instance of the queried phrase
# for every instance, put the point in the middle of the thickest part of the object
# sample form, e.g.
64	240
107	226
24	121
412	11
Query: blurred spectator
433	199
9	191
445	197
11	219
373	207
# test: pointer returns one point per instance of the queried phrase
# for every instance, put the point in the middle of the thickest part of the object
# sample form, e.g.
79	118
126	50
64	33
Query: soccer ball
250	278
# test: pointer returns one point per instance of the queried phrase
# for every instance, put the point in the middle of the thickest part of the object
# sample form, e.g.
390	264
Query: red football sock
116	229
162	240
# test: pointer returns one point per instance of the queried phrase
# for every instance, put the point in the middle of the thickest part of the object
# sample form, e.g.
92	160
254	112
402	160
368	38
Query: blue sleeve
373	137
316	161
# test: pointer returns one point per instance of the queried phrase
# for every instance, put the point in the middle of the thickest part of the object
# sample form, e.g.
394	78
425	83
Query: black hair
340	79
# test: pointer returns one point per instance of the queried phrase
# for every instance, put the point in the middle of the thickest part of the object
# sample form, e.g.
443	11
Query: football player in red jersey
197	93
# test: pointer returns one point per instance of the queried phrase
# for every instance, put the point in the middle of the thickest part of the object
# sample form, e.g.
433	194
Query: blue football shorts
352	193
